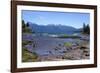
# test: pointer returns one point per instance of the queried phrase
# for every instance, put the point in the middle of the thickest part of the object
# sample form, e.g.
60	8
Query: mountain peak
52	28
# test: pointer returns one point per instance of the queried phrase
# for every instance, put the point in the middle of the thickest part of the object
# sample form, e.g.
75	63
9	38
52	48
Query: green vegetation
67	44
86	28
26	42
69	36
28	56
25	27
65	35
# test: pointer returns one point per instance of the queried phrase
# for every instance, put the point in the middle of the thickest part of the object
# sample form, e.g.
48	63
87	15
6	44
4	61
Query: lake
51	48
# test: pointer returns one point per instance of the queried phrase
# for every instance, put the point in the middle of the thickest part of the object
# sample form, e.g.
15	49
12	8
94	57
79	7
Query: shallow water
47	45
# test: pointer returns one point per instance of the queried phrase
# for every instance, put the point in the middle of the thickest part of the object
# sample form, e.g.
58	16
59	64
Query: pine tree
27	24
86	28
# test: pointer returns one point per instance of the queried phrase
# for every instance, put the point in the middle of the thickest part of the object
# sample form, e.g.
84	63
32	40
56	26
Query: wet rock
27	36
87	55
83	47
29	48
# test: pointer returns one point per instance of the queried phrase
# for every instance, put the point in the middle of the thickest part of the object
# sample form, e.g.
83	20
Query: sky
73	19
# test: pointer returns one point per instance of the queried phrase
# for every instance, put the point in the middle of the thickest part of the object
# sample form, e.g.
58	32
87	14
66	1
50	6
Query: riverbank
52	49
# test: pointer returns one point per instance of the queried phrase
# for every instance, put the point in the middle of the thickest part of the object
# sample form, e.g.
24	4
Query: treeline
25	27
86	29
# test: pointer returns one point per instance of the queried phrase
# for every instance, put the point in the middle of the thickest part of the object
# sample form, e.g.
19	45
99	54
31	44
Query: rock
27	36
83	47
29	48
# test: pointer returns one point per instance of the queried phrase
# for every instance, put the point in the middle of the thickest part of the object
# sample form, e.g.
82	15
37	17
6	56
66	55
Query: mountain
55	29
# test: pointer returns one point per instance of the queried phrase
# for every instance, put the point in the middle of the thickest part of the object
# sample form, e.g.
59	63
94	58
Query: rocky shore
55	49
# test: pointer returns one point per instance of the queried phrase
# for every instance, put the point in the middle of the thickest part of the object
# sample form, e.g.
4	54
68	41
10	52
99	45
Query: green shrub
26	42
28	56
67	44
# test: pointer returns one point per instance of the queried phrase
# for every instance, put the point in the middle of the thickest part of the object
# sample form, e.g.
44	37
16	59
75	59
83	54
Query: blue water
57	34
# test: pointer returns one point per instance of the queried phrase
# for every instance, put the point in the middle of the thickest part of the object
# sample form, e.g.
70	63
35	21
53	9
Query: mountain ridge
61	29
